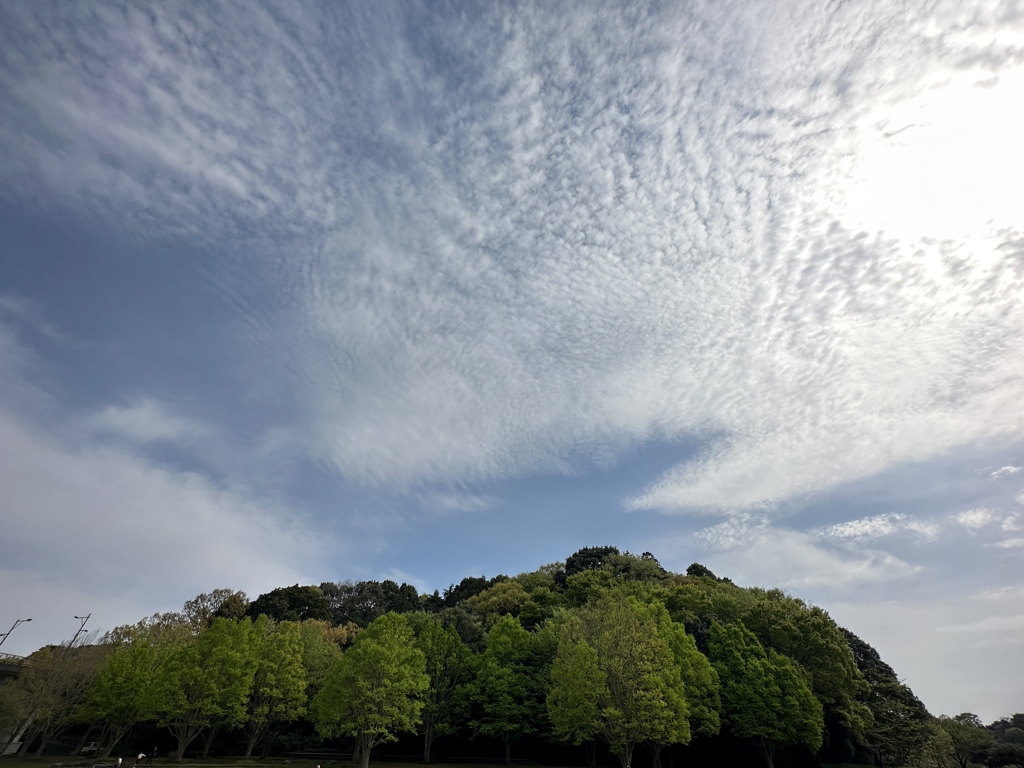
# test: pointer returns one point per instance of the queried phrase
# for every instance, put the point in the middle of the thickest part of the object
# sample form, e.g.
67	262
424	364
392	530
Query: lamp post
81	629
14	626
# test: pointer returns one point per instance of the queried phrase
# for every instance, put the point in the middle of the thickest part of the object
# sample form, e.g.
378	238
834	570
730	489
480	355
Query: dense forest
605	659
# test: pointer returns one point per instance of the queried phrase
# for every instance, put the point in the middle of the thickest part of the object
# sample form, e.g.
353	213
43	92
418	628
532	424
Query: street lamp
14	626
81	628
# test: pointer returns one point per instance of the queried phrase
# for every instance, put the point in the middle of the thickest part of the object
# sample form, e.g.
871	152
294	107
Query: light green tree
640	692
577	685
376	689
122	694
765	697
321	647
205	682
700	680
279	686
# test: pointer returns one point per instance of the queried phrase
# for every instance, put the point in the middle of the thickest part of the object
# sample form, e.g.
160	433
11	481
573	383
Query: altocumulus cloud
525	237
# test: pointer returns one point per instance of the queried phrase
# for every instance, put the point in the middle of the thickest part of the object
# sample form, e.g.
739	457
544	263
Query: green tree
448	667
200	611
700	680
321	647
506	597
588	559
376	689
205	682
765	697
292	604
508	691
121	694
899	729
279	685
968	737
641	692
577	685
47	695
808	636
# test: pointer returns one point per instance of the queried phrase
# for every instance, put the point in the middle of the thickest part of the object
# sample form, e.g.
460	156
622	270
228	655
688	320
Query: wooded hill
580	662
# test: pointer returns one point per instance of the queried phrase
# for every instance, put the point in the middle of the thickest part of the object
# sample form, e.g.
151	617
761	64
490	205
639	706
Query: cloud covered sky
295	292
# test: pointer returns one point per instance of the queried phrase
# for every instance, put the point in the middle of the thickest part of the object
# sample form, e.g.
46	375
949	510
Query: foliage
46	697
200	611
293	603
616	649
448	668
376	689
969	740
899	730
121	694
361	602
808	636
506	597
205	681
508	693
279	683
765	697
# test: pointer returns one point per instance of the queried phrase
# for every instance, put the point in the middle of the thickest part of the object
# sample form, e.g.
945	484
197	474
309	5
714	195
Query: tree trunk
28	739
208	736
626	755
256	732
655	754
428	741
590	747
767	751
365	747
508	750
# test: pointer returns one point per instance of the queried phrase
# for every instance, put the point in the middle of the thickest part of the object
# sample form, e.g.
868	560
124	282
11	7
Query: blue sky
297	292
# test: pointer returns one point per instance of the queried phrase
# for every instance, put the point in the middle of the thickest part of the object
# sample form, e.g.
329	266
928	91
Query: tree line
606	651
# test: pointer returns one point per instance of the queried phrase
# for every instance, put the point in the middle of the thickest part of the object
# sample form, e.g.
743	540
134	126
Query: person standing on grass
139	759
149	760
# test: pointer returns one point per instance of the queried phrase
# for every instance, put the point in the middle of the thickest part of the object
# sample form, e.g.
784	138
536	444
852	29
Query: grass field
50	760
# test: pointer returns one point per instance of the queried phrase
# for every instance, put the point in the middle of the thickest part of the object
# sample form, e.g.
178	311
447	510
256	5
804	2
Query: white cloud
144	421
448	502
878	526
1005	472
655	237
975	519
94	528
754	553
1012	543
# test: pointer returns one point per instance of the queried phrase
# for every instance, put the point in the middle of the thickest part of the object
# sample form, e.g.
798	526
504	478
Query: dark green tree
969	739
509	692
765	697
291	604
449	670
588	559
899	729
